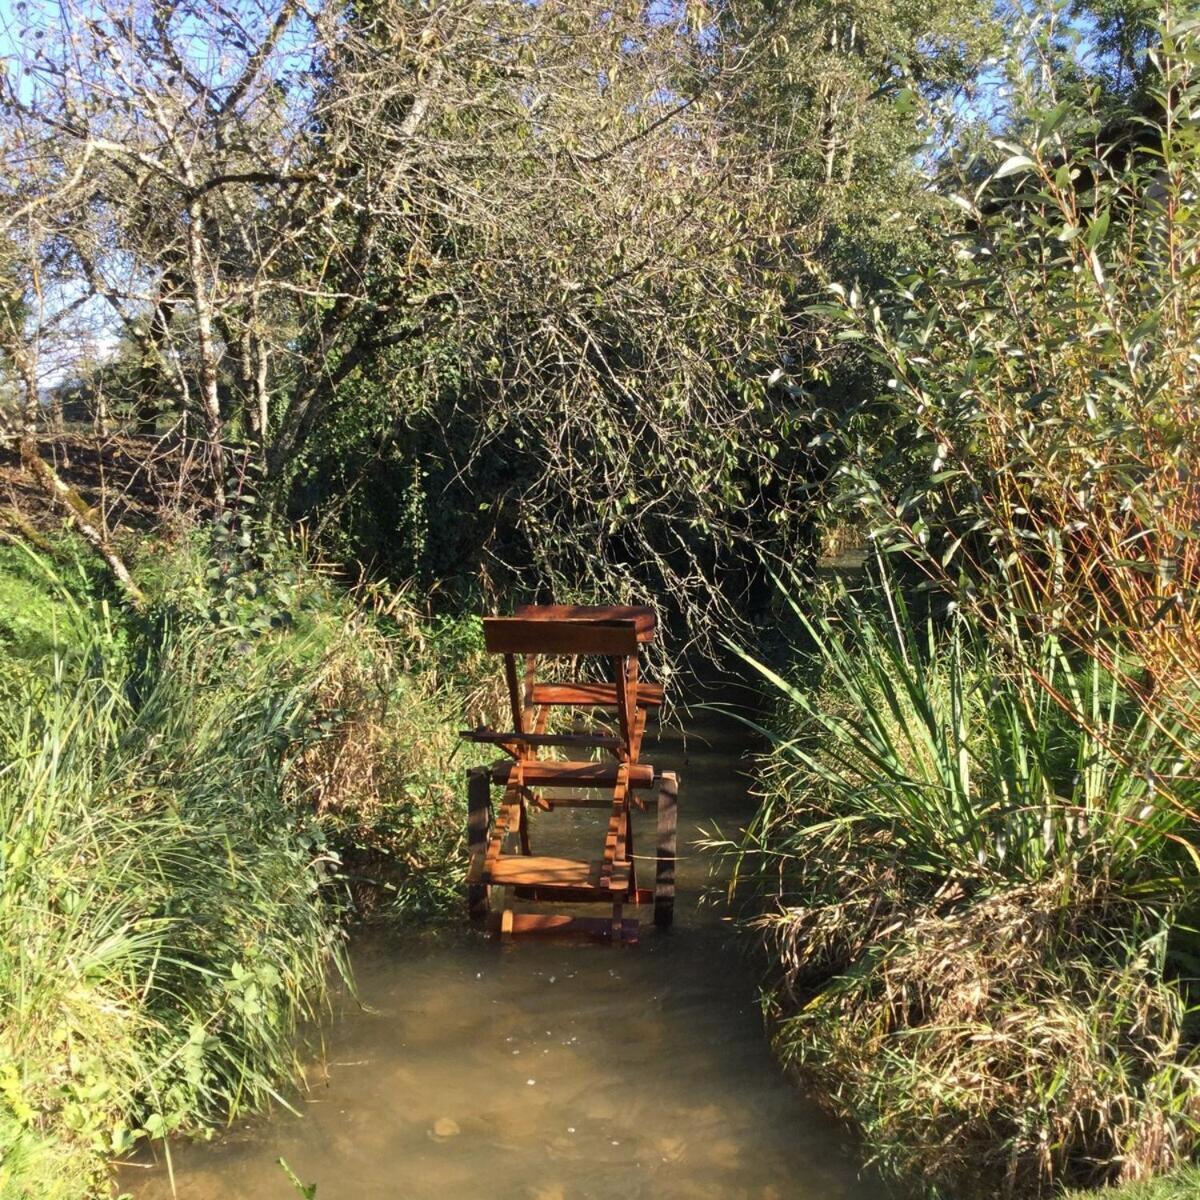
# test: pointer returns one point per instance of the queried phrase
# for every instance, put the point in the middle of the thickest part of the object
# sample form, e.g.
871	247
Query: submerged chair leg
506	915
478	807
664	874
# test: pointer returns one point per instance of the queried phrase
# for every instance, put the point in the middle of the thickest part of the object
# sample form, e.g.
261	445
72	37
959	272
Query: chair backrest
615	639
517	635
642	615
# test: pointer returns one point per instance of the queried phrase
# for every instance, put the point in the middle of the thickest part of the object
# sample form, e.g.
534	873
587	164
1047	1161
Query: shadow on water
547	1071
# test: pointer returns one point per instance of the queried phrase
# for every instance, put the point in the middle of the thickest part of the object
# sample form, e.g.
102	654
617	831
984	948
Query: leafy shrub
975	905
981	843
1035	448
178	794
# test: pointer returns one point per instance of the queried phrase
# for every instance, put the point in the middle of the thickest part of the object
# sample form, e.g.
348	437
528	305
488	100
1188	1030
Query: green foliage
1179	1185
1034	451
979	910
978	846
178	794
835	99
607	424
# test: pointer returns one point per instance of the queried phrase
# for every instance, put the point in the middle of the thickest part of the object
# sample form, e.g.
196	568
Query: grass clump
180	793
979	907
1179	1185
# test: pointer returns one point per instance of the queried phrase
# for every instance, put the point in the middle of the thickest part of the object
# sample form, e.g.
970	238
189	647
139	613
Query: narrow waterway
548	1071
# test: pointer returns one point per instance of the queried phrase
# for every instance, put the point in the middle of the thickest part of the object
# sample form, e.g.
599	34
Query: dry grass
384	777
1006	1046
977	910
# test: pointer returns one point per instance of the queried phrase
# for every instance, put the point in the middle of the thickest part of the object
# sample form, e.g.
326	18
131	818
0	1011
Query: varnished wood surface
573	774
558	631
641	615
535	870
593	695
514	635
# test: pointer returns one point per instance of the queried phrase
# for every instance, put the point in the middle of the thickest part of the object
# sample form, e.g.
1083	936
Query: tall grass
978	905
1034	451
177	797
978	844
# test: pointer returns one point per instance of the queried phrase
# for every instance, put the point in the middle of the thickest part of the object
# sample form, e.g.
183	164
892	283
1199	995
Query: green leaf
1097	229
1014	165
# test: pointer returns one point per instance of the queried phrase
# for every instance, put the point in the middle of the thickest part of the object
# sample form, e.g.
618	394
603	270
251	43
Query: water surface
548	1071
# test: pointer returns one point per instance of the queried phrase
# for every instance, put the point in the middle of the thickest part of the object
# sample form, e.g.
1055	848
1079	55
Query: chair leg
524	827
506	915
631	855
664	874
479	802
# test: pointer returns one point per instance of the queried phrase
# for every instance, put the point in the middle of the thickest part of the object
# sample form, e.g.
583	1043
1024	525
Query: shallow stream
548	1071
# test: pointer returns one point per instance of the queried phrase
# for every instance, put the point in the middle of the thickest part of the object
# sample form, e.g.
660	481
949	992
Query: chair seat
574	774
594	695
641	615
528	870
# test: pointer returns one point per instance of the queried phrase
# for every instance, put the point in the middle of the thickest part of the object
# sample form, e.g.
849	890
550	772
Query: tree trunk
210	398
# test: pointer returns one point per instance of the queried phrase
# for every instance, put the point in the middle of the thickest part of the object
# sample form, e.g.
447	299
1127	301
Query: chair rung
527	870
594	695
574	774
602	741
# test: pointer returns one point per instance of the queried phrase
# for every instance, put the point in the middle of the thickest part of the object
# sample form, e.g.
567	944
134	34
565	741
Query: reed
178	794
977	905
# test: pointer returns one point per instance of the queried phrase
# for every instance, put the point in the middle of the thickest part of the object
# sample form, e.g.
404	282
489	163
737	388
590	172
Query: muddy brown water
546	1070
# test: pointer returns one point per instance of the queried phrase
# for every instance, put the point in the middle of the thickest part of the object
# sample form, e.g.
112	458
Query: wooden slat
508	815
518	870
573	774
507	915
664	874
637	732
514	693
624	705
594	695
523	828
614	838
641	615
566	895
530	678
478	806
512	635
628	853
632	711
617	921
553	802
603	741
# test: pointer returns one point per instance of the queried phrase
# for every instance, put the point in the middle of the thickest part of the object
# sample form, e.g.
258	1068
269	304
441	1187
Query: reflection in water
547	1071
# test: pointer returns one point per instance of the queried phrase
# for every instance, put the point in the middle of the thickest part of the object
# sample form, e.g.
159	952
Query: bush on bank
979	909
181	793
979	844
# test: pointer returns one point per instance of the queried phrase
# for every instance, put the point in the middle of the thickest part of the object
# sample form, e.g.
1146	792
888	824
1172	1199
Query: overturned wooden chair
603	769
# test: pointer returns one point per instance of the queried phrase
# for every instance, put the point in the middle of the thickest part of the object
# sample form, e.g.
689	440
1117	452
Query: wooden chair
535	633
